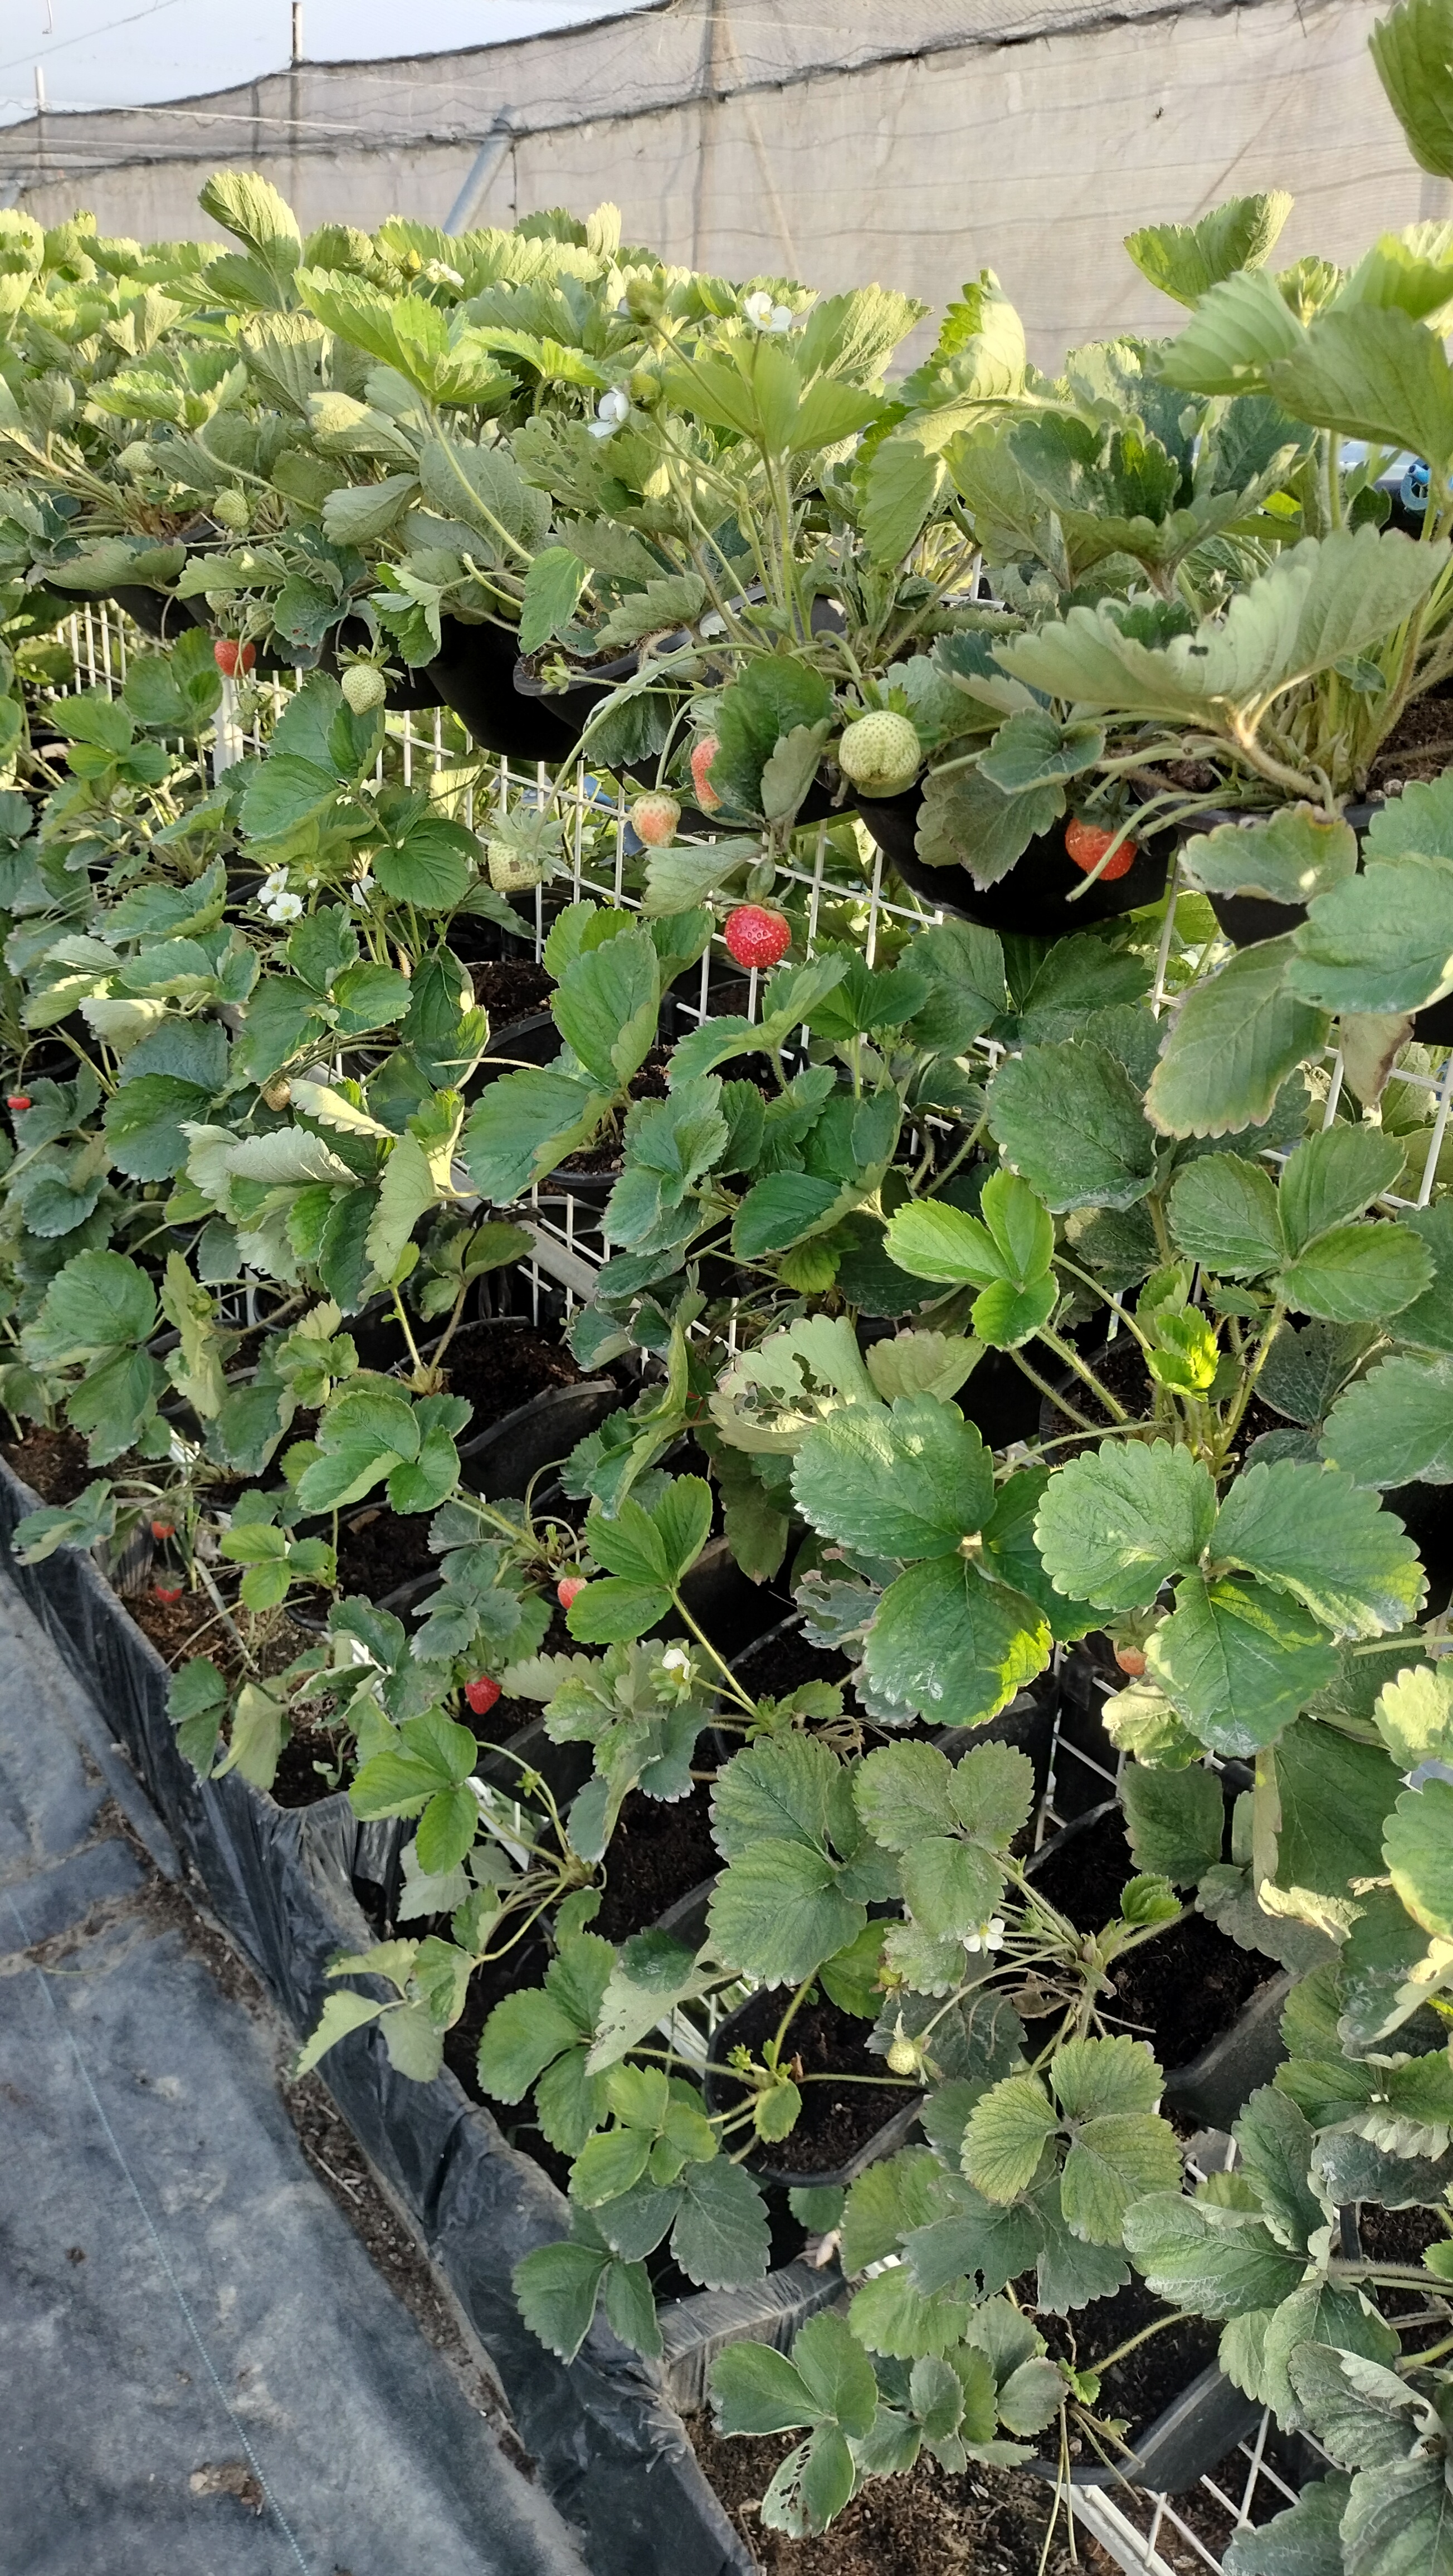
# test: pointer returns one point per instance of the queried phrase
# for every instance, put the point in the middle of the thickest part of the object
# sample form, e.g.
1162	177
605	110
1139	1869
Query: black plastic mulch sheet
610	2448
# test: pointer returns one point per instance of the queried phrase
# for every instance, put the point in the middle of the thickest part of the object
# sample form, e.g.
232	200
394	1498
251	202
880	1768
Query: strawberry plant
1045	626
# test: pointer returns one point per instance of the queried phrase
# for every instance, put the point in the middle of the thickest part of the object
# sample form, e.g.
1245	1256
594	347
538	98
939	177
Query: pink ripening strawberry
654	819
568	1589
703	754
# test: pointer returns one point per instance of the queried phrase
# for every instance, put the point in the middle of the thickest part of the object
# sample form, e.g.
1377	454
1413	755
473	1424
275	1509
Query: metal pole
297	30
486	161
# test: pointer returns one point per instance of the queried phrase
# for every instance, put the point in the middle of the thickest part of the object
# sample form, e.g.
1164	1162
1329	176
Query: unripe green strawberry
880	753
364	687
654	819
511	871
233	510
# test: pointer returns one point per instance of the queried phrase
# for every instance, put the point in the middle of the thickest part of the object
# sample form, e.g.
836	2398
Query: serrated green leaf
1213	2261
1223	1213
1115	1523
1276	2146
1186	260
777	1912
757	2390
1070	1121
606	1003
1305	2540
1007	2135
557	2287
1175	1820
1316	1534
1419	1852
1232	1044
1396	1424
1237	1662
721	2236
908	1481
890	2315
952	1645
1380	942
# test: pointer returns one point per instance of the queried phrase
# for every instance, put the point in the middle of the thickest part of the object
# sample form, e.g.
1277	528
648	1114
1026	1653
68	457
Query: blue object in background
1413	489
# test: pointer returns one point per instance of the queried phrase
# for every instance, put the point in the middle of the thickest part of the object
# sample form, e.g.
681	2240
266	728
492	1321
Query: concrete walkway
201	2372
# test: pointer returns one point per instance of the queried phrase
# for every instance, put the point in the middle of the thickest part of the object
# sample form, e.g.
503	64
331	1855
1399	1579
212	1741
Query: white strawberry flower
676	1660
764	315
275	899
361	889
989	1936
611	411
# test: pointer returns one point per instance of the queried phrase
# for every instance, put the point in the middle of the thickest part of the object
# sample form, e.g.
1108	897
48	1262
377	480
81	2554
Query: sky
126	53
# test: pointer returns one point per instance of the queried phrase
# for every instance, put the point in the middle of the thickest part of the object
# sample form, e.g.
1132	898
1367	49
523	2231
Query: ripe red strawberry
756	937
163	1529
167	1592
702	755
1130	1660
232	657
17	1100
654	819
481	1694
1087	844
569	1587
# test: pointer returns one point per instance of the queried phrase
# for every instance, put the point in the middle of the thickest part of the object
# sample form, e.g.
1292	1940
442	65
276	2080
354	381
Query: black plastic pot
473	672
1212	2086
1188	2437
608	2446
1426	1513
1034	897
751	2022
1246	919
502	1459
570	709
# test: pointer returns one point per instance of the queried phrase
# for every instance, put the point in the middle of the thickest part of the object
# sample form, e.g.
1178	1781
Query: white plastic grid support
98	634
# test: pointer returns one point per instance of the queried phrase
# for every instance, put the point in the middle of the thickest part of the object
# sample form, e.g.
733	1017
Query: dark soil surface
53	1463
298	1781
333	2152
1400	2236
606	1159
379	1549
172	1627
522	1968
837	2120
1120	1368
501	1365
657	1853
510	988
1184	1987
1419	746
1141	2386
990	2522
782	1660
